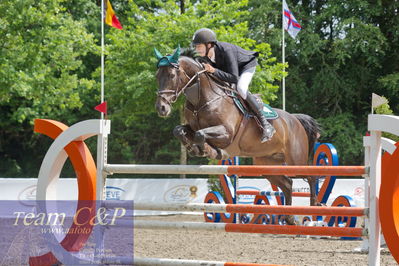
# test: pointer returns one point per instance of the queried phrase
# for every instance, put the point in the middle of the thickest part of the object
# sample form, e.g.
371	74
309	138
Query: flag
290	24
377	100
110	17
102	107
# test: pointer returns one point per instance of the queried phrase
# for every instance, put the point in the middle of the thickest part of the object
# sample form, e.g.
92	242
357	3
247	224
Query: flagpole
283	50
102	55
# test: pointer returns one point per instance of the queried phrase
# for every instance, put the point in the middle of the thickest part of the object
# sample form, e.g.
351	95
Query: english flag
290	24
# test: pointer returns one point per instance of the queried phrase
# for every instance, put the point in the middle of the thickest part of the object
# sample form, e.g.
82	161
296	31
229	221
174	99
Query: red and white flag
290	24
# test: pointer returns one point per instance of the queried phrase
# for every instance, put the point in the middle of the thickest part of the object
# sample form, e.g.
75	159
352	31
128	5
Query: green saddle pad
268	111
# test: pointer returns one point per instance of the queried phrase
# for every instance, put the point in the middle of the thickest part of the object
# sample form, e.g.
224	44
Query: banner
170	190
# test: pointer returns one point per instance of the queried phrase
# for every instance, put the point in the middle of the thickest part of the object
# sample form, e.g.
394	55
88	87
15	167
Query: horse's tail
311	127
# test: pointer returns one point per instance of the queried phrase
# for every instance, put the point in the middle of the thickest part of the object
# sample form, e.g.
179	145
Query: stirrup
267	133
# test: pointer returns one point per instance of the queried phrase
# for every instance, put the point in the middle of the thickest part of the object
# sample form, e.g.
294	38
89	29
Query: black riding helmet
204	35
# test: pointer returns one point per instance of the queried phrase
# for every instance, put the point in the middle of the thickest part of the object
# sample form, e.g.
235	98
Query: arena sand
255	248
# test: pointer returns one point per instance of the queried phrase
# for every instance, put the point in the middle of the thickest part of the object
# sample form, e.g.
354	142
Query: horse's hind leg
281	181
285	184
312	188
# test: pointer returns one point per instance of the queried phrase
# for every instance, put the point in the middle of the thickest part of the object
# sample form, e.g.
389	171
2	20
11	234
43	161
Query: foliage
41	49
341	131
344	52
215	185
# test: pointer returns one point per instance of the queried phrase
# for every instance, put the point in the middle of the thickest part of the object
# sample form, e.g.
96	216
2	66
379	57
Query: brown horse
218	130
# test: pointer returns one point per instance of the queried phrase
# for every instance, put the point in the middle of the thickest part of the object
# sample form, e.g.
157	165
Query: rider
232	64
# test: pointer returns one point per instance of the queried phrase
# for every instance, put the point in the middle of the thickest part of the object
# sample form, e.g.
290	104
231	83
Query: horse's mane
192	54
189	52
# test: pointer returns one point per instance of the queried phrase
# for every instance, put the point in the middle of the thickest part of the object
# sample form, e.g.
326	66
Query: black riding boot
257	107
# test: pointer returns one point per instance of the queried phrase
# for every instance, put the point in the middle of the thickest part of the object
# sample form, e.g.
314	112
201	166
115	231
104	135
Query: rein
180	91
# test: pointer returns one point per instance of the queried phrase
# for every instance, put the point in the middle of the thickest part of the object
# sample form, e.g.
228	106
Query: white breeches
243	82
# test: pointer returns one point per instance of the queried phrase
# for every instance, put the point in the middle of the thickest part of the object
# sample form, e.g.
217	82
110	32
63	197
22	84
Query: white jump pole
165	169
375	182
102	148
101	175
158	261
374	191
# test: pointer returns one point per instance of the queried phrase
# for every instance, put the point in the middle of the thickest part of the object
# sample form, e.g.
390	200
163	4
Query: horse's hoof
290	220
191	153
179	131
193	150
199	138
196	151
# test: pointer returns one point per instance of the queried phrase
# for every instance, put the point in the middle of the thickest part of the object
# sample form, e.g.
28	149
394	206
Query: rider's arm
230	72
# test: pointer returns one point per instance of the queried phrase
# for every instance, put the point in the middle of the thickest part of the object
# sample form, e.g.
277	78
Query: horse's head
173	76
169	79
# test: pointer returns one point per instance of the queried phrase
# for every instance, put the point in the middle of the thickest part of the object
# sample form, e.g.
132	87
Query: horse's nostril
163	108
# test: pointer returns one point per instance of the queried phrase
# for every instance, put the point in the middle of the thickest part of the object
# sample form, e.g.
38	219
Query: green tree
344	52
41	49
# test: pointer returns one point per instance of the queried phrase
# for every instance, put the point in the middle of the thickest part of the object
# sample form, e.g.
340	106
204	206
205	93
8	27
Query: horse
217	129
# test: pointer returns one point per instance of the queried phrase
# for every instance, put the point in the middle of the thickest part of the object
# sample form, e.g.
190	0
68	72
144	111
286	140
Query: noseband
176	93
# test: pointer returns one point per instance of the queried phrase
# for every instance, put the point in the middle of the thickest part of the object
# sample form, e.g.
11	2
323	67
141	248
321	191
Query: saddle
240	103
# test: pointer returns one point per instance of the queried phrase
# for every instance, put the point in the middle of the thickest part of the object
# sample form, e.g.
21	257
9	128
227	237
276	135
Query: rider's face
201	49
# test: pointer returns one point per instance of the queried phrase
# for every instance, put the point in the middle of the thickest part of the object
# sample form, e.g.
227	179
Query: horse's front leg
210	138
186	136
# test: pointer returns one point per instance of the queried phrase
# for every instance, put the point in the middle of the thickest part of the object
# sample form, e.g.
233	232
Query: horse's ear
176	55
157	54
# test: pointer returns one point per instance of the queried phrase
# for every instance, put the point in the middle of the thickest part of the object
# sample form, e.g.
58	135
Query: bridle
178	92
